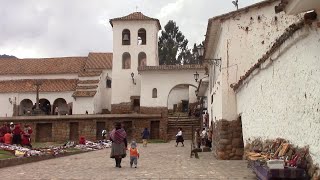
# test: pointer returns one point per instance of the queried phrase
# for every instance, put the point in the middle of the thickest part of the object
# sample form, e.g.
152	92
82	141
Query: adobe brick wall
122	108
227	140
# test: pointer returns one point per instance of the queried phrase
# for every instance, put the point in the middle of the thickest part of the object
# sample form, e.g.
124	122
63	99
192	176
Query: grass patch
5	154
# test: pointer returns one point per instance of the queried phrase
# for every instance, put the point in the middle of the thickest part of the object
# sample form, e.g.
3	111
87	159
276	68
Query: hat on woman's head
133	144
11	123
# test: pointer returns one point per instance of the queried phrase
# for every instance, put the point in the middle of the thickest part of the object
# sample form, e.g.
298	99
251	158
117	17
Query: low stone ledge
24	160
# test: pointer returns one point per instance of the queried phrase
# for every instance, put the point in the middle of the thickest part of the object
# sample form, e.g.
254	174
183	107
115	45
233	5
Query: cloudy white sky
53	28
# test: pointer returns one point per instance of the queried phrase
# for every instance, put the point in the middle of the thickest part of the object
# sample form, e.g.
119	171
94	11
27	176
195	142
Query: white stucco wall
106	92
192	94
283	100
177	95
240	49
164	81
83	104
122	81
7	108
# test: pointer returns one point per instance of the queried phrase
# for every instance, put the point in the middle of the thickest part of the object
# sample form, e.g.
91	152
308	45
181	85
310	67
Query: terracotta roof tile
88	82
62	65
87	87
134	17
84	93
48	85
170	67
99	61
89	73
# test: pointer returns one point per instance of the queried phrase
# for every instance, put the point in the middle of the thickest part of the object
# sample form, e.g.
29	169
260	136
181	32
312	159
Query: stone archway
181	98
25	107
61	105
45	106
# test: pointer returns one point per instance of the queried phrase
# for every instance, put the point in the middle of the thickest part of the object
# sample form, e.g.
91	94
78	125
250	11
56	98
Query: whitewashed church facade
123	81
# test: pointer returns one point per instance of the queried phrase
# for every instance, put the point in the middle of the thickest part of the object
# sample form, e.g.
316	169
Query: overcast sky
53	28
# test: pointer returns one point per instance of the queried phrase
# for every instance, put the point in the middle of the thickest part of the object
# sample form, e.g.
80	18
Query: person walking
134	154
118	136
145	137
179	137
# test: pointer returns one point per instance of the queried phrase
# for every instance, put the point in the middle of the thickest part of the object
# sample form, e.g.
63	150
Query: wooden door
155	130
74	131
44	132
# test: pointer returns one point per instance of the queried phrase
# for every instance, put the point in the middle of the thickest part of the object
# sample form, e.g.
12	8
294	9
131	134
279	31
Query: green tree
172	45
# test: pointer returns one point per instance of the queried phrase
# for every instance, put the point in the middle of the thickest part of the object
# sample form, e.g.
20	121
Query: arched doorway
182	98
45	106
25	107
60	106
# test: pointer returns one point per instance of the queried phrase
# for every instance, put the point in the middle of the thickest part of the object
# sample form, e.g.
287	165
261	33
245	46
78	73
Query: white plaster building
269	75
118	82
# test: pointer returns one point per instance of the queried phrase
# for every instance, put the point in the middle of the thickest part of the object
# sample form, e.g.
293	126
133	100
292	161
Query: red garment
117	136
17	130
82	140
25	140
134	152
7	138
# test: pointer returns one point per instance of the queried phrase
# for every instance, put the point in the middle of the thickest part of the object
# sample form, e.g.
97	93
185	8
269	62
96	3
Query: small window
126	37
108	83
142	37
154	93
126	61
142	59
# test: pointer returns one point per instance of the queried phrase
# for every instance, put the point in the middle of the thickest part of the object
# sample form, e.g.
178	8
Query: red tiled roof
84	93
99	61
88	82
48	85
61	65
134	17
170	67
89	73
87	87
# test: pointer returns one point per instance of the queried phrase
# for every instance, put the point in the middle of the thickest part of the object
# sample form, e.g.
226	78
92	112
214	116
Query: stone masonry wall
227	140
88	124
164	118
122	108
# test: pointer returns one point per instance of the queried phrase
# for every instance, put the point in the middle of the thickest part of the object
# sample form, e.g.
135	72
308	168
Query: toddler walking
134	154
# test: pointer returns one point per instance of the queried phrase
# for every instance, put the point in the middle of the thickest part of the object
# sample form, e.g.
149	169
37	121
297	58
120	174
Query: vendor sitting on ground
82	140
26	140
7	138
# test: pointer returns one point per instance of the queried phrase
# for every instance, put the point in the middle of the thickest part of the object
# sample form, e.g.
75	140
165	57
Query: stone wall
87	125
122	108
227	140
164	119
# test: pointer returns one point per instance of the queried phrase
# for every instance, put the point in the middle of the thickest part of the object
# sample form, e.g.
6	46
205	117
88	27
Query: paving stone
157	161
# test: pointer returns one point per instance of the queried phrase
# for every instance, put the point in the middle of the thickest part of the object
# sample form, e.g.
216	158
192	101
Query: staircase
185	122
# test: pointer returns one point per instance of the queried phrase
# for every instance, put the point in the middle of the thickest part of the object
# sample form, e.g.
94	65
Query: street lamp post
215	61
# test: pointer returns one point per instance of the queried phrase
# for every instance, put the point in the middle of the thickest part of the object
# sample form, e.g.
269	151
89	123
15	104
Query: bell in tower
126	37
